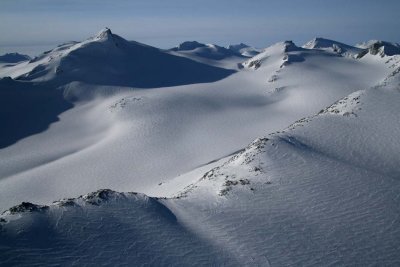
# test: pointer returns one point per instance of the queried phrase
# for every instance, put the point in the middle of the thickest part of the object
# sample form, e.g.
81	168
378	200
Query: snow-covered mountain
333	46
13	58
382	48
108	59
207	51
317	187
279	53
244	49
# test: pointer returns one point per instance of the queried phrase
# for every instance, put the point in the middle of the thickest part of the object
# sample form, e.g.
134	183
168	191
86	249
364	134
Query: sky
31	25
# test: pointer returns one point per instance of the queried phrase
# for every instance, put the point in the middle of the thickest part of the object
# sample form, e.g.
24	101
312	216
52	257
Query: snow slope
27	108
130	139
117	229
323	191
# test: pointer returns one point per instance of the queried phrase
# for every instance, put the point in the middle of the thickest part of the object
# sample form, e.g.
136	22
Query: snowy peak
104	34
319	42
332	46
104	37
289	46
278	55
382	48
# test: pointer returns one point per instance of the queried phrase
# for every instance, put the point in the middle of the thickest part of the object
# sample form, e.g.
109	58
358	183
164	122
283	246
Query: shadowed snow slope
27	108
108	59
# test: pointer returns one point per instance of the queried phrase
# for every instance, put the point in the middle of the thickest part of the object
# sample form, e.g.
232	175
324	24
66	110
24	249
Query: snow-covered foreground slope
105	227
130	139
324	191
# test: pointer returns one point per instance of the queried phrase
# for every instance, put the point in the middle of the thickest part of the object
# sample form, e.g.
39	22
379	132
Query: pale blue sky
165	23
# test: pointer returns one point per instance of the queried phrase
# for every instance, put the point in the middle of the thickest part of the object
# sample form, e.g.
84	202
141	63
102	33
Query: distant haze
33	25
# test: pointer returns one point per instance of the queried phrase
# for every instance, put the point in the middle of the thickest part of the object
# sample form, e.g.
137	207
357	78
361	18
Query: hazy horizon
30	26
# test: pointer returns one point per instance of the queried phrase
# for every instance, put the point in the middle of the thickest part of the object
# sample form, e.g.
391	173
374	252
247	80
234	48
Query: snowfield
319	186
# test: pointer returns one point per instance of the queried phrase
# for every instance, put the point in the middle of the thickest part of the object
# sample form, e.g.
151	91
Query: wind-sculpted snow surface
105	228
322	192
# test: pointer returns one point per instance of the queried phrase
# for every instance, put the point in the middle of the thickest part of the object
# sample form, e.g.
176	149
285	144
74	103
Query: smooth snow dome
207	51
286	155
188	45
244	49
